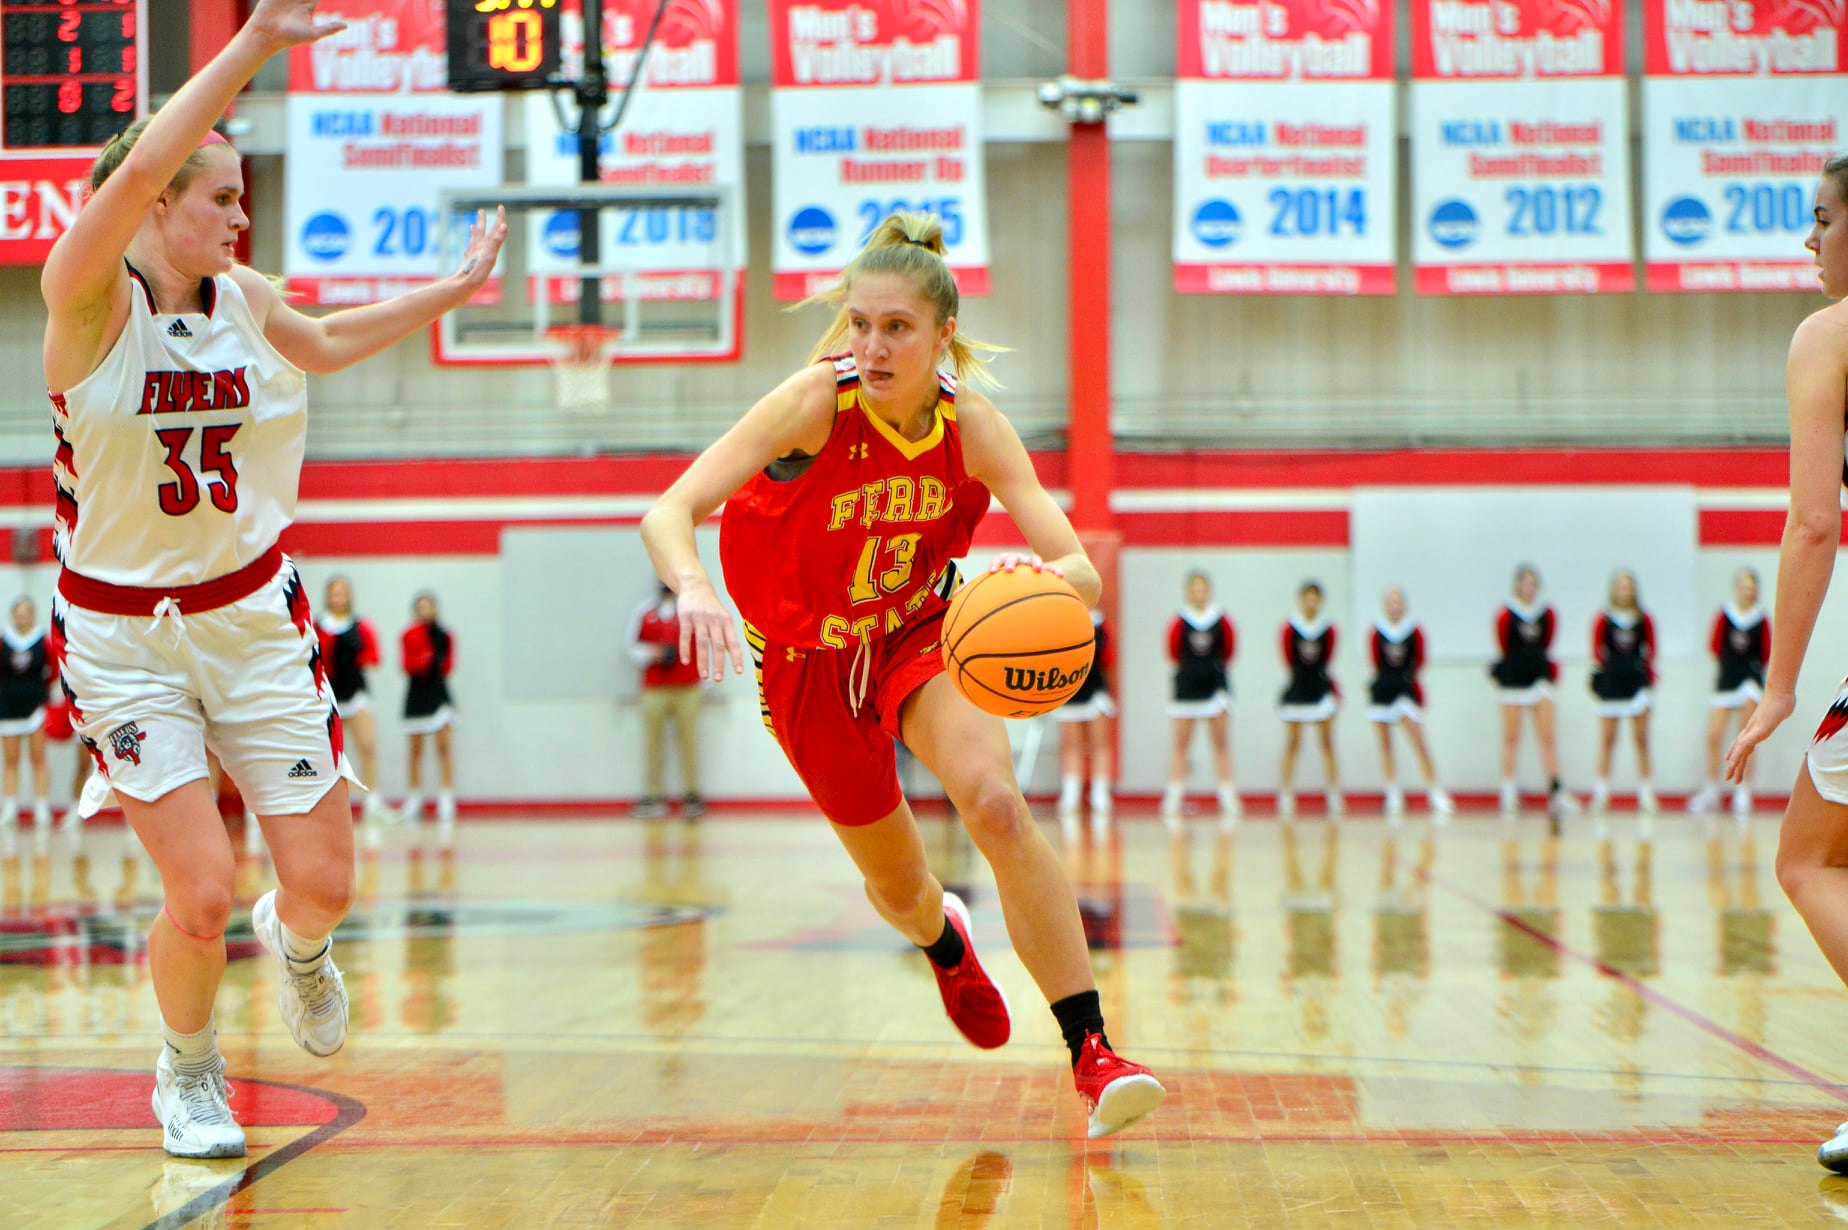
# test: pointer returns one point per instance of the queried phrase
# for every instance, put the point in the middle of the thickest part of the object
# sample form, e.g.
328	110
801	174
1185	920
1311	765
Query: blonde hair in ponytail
908	243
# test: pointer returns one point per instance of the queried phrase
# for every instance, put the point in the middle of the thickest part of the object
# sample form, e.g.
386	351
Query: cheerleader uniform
1623	651
1091	700
1398	656
429	653
1525	673
1742	643
1307	649
348	647
1200	644
25	681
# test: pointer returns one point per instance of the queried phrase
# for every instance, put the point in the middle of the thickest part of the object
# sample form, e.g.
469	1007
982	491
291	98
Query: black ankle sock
947	952
1554	788
1079	1016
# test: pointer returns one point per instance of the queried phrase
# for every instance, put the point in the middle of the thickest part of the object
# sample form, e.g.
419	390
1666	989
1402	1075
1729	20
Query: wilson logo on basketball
1021	679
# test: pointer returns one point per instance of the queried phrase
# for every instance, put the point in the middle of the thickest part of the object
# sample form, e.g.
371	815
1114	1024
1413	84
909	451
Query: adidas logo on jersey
178	329
303	769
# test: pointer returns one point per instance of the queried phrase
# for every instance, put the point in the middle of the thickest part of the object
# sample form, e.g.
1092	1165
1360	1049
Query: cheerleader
348	648
429	655
1525	674
1201	641
25	685
1742	645
1623	666
1397	699
1085	728
1311	697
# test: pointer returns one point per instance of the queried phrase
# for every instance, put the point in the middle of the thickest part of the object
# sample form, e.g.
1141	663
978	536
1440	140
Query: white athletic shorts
1214	705
1527	697
430	723
1321	711
1100	705
1828	754
1634	706
1748	693
13	728
1404	707
151	693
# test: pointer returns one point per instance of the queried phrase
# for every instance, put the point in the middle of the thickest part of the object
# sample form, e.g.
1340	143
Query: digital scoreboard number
502	44
72	75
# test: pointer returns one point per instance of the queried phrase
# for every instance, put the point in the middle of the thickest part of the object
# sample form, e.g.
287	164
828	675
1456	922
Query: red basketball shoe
974	1003
1116	1092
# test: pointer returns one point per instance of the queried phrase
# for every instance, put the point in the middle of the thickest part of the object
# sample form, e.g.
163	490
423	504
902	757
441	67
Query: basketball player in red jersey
1812	851
849	490
178	385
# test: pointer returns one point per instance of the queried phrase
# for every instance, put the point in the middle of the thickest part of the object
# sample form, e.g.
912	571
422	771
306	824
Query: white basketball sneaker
313	1003
1834	1152
1510	800
195	1111
1395	805
1442	805
1704	800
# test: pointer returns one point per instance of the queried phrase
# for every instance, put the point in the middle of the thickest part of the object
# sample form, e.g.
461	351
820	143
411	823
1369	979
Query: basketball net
580	362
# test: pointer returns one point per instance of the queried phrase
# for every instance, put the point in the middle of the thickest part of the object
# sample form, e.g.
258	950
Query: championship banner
1285	148
1520	148
874	108
683	130
1742	104
373	140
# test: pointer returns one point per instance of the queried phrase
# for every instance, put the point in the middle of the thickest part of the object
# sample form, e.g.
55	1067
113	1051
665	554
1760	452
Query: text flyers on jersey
682	133
1742	104
373	141
1284	148
1520	150
874	108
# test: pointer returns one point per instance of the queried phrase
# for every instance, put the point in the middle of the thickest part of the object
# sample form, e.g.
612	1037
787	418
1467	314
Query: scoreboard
72	75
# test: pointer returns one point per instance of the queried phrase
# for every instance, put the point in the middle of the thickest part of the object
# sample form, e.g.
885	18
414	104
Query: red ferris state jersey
178	458
853	544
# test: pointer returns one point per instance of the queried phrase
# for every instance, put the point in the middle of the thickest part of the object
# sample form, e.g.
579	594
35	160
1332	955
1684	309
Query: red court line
1704	1024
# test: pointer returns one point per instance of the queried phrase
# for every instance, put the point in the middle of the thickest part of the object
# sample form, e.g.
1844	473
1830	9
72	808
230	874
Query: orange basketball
1017	643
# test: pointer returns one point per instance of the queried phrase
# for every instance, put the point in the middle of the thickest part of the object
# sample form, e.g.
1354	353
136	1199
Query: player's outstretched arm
340	339
83	277
993	452
797	416
1816	378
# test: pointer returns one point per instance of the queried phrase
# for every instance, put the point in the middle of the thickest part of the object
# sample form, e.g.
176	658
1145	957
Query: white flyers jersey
179	457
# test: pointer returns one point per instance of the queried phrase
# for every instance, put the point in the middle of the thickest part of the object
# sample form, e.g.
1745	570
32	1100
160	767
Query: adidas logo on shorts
178	329
303	769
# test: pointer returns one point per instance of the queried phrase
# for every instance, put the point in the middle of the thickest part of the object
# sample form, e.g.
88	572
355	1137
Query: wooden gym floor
612	1023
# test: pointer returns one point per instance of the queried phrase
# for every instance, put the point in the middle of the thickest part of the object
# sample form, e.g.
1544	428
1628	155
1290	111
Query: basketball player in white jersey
178	383
1812	851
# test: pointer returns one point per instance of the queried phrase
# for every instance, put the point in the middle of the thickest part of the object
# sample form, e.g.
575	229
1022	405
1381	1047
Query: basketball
1017	643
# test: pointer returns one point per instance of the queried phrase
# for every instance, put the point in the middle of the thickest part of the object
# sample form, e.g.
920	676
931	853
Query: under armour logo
178	329
857	452
792	654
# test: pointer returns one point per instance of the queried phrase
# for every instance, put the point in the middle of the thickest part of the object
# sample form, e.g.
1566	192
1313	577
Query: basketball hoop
580	362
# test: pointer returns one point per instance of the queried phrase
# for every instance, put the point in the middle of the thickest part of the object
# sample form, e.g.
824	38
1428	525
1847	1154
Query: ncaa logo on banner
326	236
1217	224
561	233
811	231
1454	224
1686	221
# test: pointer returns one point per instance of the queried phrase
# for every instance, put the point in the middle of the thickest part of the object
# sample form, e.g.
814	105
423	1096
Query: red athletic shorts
846	759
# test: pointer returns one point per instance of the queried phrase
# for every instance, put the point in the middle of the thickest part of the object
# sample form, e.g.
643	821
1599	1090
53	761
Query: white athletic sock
193	1053
1100	793
1071	789
303	954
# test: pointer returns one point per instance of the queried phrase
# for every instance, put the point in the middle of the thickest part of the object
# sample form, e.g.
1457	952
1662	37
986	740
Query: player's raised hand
484	244
1767	717
291	23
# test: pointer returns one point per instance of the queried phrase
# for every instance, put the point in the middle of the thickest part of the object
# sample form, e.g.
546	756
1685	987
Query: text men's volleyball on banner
683	131
1520	150
1285	148
373	140
875	108
1742	105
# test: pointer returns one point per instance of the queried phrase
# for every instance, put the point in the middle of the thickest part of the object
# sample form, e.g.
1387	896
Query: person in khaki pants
670	694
